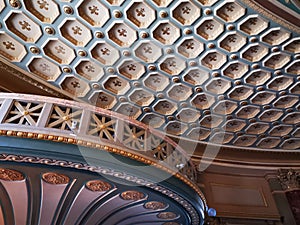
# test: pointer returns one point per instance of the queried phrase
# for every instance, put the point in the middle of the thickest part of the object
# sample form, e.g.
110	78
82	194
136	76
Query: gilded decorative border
26	78
257	7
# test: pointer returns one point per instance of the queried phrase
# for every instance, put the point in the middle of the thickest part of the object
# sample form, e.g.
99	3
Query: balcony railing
72	122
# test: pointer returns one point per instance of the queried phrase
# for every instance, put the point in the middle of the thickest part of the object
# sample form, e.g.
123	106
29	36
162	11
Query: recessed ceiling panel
183	67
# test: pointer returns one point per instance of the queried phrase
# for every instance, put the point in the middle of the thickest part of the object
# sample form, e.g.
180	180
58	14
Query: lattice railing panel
64	118
24	113
102	127
54	117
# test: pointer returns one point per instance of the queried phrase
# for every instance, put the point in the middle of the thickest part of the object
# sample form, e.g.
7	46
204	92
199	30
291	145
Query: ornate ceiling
223	72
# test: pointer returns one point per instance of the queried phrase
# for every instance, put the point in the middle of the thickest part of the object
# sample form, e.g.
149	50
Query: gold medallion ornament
10	175
167	215
132	195
55	178
98	185
155	205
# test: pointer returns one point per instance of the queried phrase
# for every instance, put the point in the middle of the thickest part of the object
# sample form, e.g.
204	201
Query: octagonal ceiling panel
166	60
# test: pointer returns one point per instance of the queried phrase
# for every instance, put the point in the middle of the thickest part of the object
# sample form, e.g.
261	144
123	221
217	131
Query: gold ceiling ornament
98	186
10	175
167	215
155	205
132	195
289	179
55	178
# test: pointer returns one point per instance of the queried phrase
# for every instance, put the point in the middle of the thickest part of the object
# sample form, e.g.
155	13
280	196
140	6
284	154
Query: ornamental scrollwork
155	205
55	178
132	195
10	175
289	179
98	186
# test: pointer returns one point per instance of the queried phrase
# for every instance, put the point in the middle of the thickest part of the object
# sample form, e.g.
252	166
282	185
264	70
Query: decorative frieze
289	179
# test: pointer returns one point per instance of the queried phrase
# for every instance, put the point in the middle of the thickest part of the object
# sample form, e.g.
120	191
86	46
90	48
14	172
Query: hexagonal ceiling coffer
105	53
257	128
122	34
245	140
281	130
175	128
212	121
292	118
255	53
241	92
45	11
153	120
141	14
131	69
188	115
94	12
276	36
166	33
248	112
210	29
214	60
59	51
269	142
233	42
75	86
203	101
277	61
180	92
116	85
234	125
44	69
236	70
11	49
165	107
263	98
148	52
141	97
271	115
103	100
89	70
258	77
218	86
24	27
293	46
253	25
287	101
231	11
280	83
225	107
129	110
190	48
186	13
75	32
173	65
294	68
196	76
199	133
221	137
156	82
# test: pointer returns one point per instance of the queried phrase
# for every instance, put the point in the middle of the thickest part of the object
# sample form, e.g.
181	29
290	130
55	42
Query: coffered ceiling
222	72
